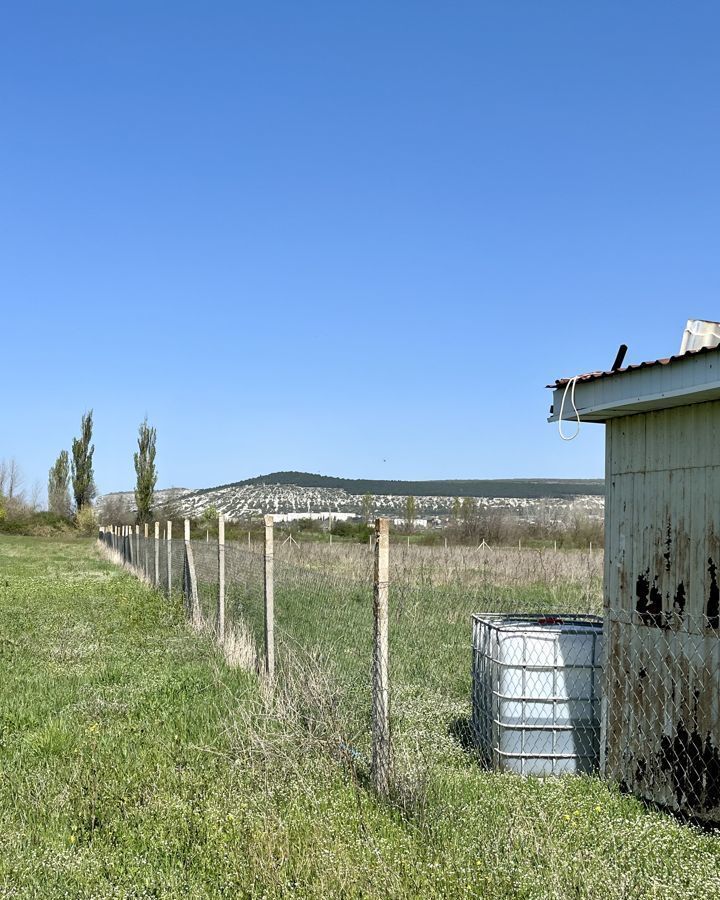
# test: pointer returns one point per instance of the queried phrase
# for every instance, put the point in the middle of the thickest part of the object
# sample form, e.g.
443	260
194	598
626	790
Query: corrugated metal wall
662	704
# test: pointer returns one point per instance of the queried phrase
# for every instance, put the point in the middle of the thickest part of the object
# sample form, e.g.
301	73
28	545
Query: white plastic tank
700	333
536	692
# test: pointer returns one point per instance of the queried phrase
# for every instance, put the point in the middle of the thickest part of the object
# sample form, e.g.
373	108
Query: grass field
135	763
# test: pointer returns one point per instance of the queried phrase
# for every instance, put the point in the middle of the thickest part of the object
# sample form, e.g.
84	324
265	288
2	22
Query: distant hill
300	494
531	488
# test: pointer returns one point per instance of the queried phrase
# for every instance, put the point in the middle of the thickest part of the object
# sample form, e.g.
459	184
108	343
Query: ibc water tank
536	692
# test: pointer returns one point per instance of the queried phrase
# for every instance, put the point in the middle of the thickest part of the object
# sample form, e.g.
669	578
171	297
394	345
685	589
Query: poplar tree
59	486
83	479
368	502
146	472
409	512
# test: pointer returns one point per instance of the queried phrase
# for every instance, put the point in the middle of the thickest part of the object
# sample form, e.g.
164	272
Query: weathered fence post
221	579
157	554
168	535
192	602
147	561
269	599
381	749
136	554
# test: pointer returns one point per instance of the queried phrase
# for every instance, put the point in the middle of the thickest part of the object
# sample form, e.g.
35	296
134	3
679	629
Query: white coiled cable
570	386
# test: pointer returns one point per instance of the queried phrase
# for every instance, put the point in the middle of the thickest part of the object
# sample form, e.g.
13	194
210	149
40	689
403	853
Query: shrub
359	531
85	521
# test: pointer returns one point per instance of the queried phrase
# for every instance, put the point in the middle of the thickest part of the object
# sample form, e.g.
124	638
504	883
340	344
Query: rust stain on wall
713	605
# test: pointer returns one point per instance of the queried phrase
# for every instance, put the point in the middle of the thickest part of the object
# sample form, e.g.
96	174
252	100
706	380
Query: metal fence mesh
537	692
323	633
556	687
662	708
244	607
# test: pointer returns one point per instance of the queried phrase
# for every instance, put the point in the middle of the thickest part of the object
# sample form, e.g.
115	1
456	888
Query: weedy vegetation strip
135	762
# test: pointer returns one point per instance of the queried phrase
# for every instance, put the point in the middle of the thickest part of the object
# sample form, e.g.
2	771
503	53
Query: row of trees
471	523
76	474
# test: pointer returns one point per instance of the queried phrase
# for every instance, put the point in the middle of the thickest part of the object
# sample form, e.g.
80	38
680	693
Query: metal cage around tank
537	692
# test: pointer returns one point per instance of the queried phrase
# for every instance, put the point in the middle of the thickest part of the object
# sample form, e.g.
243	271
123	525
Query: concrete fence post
157	554
147	559
221	580
381	747
192	602
269	594
168	534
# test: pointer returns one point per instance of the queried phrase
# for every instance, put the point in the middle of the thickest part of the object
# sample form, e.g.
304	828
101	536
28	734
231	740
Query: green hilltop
472	487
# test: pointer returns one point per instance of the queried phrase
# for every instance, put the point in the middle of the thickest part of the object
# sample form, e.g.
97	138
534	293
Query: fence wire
244	606
661	735
556	684
324	643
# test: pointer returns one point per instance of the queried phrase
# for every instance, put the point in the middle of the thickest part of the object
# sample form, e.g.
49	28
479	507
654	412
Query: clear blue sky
357	239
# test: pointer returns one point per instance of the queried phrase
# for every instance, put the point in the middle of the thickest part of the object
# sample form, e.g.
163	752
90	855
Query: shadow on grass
461	731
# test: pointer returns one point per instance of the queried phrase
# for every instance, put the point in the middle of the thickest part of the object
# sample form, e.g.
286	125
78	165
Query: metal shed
660	722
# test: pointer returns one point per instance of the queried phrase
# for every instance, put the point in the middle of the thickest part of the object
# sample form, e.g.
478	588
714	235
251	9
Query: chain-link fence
366	647
537	692
556	685
661	736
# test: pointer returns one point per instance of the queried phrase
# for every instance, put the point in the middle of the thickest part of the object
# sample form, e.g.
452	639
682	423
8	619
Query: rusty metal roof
596	376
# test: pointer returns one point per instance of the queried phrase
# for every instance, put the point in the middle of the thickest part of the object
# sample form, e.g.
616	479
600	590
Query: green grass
133	764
